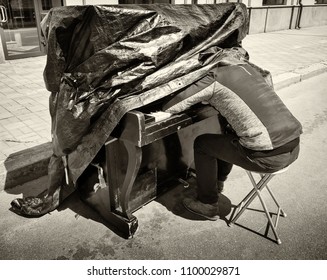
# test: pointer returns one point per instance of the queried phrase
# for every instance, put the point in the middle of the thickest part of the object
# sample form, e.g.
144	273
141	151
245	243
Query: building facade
20	35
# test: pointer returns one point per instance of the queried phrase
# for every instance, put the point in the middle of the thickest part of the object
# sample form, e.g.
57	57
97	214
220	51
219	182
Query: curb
30	164
298	75
25	166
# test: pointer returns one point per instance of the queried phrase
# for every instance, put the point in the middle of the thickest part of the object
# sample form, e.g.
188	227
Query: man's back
259	106
253	109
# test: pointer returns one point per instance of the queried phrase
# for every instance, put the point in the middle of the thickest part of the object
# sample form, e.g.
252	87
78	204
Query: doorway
20	26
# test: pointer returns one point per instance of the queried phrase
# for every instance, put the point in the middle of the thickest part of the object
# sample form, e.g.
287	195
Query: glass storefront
19	26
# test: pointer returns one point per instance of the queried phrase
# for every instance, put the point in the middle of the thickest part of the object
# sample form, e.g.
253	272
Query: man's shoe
208	211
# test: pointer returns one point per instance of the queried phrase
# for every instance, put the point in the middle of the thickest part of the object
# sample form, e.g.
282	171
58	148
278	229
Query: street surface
167	231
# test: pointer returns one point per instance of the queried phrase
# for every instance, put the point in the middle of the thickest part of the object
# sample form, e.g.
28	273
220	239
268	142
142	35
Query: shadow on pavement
172	200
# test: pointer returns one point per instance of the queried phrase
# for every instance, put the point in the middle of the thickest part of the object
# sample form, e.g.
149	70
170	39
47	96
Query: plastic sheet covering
103	61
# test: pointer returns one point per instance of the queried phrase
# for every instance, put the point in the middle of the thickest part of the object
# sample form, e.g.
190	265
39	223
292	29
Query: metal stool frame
256	192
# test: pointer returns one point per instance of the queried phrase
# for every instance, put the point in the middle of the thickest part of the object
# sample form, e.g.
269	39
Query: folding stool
256	191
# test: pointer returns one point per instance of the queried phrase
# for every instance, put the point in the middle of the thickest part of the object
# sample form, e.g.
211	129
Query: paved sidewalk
290	55
288	51
24	114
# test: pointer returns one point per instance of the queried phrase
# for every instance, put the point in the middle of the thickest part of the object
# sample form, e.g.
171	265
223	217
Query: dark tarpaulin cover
103	61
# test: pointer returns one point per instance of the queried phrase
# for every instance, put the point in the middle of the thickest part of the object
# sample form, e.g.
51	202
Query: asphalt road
167	231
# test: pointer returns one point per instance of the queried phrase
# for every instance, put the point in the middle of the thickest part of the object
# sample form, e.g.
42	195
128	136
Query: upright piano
144	157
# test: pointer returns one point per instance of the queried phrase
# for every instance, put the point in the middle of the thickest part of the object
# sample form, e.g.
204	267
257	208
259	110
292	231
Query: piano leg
100	201
127	227
133	166
124	220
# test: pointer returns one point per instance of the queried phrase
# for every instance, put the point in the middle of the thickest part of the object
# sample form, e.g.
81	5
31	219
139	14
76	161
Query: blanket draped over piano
103	61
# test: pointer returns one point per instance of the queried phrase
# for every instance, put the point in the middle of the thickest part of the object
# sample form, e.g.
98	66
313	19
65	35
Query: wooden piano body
143	158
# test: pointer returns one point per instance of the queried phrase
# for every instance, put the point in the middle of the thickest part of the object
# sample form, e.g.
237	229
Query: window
143	1
273	2
48	4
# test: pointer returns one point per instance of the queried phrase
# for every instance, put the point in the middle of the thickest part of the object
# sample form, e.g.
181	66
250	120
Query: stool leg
265	178
280	211
268	214
251	195
276	202
243	204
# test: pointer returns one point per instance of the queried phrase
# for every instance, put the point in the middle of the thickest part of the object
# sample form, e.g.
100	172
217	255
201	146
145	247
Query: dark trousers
214	156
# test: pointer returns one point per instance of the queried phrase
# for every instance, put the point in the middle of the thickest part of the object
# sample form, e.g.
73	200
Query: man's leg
223	166
223	170
208	165
214	156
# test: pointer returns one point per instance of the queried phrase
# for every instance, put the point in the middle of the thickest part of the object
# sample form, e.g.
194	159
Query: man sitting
263	134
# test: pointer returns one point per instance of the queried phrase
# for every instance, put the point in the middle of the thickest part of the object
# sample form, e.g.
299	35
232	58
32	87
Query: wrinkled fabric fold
103	61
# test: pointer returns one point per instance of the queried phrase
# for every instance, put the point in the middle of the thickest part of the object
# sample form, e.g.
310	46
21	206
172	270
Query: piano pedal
190	173
102	183
184	183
